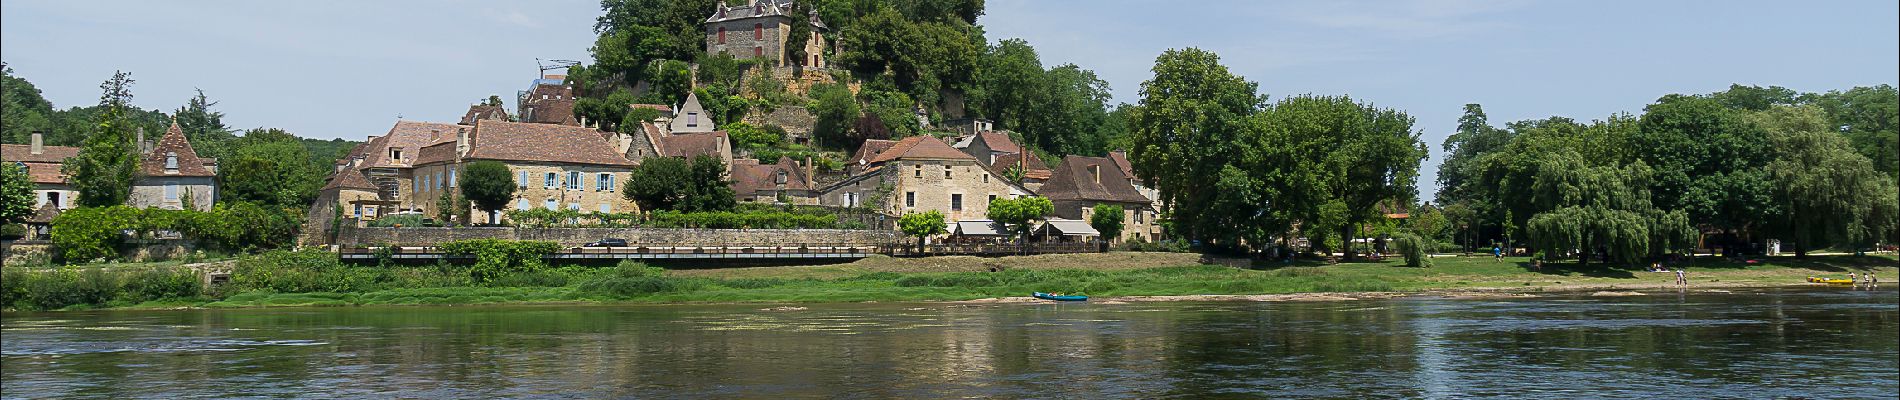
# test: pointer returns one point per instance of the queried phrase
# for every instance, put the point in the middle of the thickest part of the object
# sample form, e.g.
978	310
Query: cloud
511	17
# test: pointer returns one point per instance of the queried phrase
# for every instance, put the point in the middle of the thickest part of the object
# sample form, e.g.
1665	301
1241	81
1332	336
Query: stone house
1035	172
554	166
481	112
1080	183
389	161
549	100
172	176
921	174
760	29
781	182
42	164
996	150
1154	196
986	146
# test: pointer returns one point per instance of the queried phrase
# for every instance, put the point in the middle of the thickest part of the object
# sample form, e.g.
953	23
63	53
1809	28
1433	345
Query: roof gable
176	148
1075	180
998	142
920	147
516	141
408	136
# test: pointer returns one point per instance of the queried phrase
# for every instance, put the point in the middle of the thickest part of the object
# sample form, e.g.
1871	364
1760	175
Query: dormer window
171	161
692	120
395	154
780	179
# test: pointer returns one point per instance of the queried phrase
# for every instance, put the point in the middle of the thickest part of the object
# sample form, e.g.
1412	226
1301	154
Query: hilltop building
761	29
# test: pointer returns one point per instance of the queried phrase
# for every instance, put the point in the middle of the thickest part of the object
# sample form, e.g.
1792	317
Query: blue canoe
1046	296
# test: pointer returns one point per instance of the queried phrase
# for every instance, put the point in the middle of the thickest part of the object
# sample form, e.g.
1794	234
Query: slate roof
749	177
480	111
1073	181
516	141
920	147
410	136
692	144
43	167
1033	168
1121	161
174	143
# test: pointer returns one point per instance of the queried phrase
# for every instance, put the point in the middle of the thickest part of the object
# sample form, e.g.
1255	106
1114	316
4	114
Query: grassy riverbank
316	279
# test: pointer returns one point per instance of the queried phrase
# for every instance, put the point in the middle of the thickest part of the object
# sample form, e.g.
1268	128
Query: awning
981	227
1069	227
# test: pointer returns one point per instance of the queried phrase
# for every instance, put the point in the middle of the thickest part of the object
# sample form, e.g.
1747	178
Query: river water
1748	344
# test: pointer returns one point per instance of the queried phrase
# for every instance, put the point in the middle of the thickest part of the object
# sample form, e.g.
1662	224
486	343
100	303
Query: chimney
143	148
1096	171
810	170
39	144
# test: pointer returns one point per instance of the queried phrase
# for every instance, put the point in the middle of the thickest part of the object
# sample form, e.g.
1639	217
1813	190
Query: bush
398	220
495	258
1415	249
90	233
94	287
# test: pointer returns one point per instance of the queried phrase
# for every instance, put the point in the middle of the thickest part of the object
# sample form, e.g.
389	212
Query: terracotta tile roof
998	142
694	144
410	136
349	178
515	141
662	108
749	177
436	153
480	111
48	154
43	167
174	143
1033	168
1074	181
870	149
920	147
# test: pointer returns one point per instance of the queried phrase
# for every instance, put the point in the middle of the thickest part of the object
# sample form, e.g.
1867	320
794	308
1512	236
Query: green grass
306	280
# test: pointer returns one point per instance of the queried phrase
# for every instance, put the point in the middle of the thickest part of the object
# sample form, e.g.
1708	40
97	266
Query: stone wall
353	236
150	192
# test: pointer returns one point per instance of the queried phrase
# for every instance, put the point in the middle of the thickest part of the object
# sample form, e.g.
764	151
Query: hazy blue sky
348	68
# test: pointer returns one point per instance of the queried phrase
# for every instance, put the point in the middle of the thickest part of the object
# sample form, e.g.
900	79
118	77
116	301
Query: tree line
1814	170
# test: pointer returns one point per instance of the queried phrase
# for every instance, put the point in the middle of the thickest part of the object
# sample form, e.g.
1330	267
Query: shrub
1415	249
405	220
495	258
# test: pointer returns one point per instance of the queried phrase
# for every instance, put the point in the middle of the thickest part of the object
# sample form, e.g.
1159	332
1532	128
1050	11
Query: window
758	52
722	35
415	182
992	199
919	173
395	154
986	177
451	178
1139	216
438	180
946	172
551	204
692	119
956	202
604	182
850	199
521	204
606	208
522	181
574	180
780	179
359	211
53	198
171	191
910	199
171	160
424	187
549	180
758	31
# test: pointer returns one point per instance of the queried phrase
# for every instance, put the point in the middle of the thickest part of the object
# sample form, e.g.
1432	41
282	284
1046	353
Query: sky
349	68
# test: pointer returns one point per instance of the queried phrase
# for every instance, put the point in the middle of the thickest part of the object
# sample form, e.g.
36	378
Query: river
1750	343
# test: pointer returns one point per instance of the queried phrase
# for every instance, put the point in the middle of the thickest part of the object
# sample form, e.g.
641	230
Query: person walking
1497	253
1681	277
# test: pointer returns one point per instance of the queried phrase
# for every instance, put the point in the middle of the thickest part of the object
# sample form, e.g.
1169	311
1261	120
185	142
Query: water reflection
1750	344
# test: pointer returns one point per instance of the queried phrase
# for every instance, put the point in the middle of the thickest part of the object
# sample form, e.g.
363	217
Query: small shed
981	230
1058	230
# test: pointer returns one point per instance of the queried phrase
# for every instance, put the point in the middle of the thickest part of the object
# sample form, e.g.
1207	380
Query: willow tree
1589	208
1827	193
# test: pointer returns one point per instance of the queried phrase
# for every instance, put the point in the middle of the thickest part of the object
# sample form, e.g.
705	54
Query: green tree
1346	156
1829	194
1600	208
489	186
102	171
22	109
270	167
1184	129
709	190
205	128
1867	115
922	225
658	183
1019	214
746	136
16	193
1707	161
1107	219
835	110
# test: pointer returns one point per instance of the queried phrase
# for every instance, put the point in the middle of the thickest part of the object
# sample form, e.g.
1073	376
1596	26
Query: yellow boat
1830	281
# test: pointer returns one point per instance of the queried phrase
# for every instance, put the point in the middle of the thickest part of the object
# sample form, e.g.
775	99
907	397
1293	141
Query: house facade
782	182
552	166
42	164
922	174
1080	183
762	29
172	176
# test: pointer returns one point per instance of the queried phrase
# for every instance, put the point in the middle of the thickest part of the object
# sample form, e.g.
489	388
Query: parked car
608	242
